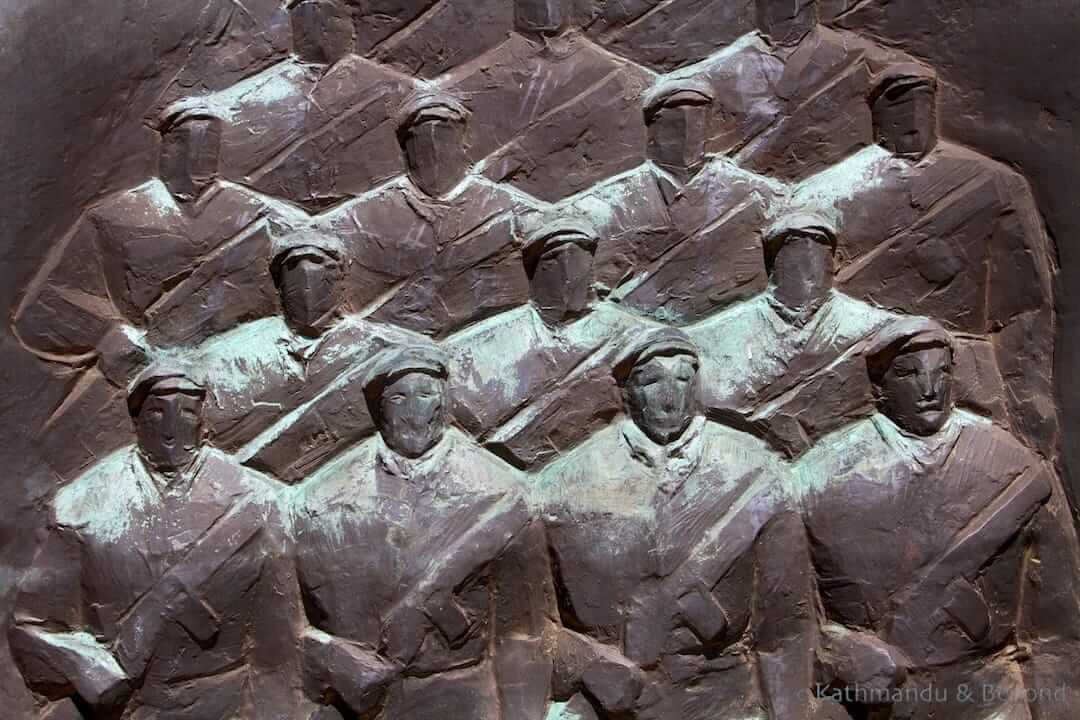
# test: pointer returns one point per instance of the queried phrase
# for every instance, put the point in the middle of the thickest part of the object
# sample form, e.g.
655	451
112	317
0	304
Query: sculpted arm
48	636
66	310
431	601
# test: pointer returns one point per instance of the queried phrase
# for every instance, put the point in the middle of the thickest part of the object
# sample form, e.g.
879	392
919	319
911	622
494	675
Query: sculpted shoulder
480	470
590	467
993	447
343	480
147	204
837	454
104	498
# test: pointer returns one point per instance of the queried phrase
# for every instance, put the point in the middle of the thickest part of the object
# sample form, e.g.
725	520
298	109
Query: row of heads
909	362
678	114
325	30
308	267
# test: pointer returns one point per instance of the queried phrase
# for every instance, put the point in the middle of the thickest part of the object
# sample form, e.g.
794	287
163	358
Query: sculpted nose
927	386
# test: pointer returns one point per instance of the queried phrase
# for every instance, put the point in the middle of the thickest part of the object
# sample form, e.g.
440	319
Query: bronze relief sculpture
530	359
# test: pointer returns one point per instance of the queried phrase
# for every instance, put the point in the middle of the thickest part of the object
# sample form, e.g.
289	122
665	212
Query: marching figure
788	361
266	369
670	547
396	543
928	526
521	374
435	248
163	583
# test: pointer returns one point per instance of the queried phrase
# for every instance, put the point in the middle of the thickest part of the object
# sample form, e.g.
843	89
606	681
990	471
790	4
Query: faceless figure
168	422
786	22
323	31
308	275
905	111
432	135
915	383
799	258
766	358
544	17
559	263
189	157
661	392
677	118
409	403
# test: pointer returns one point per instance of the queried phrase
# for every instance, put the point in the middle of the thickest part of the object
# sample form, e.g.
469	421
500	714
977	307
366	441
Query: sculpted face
786	22
677	133
916	391
660	395
538	16
310	287
435	154
561	281
190	152
905	119
411	414
169	429
323	31
802	271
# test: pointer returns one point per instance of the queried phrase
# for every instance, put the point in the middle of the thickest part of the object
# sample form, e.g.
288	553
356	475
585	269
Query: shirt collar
173	483
678	459
800	318
924	451
419	470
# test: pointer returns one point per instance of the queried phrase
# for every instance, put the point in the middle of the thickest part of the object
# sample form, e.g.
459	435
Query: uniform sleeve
784	616
1021	314
1049	623
66	310
48	638
524	617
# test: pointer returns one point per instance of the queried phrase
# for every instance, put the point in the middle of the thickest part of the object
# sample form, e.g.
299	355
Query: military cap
305	241
802	223
431	106
903	336
656	342
678	91
162	377
395	362
554	232
901	77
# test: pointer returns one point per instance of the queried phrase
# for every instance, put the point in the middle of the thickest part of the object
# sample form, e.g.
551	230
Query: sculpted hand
403	632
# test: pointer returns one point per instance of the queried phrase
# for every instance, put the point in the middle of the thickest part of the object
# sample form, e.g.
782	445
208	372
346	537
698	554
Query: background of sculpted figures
80	80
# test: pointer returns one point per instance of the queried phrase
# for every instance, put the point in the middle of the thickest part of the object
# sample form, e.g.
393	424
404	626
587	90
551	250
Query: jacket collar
677	460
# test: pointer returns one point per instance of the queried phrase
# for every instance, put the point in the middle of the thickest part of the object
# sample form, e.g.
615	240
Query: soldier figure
775	360
303	358
159	586
661	526
666	222
521	373
167	263
934	229
453	259
119	264
317	127
396	541
928	526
